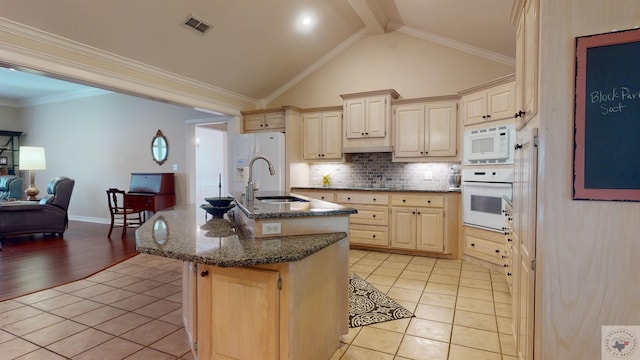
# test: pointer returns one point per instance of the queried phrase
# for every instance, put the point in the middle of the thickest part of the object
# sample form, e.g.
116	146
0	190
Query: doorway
211	160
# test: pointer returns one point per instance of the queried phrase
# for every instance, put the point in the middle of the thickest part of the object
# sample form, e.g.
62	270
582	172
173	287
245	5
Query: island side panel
189	303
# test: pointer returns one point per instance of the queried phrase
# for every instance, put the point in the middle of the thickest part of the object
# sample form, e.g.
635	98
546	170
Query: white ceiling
254	47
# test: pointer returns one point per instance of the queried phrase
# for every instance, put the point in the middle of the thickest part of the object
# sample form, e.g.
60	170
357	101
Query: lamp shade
32	158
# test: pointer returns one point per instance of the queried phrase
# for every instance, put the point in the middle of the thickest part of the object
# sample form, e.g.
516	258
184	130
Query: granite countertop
183	233
389	189
257	209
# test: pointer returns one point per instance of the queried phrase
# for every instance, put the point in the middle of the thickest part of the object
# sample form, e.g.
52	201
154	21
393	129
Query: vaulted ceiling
255	47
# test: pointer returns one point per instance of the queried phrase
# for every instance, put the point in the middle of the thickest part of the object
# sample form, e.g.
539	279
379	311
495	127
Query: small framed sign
607	117
4	160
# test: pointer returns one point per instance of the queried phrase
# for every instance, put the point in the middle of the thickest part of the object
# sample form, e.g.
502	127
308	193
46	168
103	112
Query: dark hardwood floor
35	262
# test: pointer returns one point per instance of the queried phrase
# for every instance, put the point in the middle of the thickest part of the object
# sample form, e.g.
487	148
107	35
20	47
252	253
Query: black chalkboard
607	117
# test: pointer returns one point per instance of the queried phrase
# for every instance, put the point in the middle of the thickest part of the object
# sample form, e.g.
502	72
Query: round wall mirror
159	148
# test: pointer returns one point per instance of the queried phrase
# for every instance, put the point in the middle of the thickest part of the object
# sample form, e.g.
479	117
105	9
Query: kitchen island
272	296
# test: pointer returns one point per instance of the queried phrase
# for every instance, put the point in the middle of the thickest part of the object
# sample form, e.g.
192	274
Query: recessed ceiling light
305	22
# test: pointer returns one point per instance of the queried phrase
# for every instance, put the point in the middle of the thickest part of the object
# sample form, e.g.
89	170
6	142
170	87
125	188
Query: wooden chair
121	216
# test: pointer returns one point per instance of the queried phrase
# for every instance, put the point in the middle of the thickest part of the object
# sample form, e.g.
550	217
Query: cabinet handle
404	201
362	134
497	251
374	199
488	116
517	147
509	239
266	125
484	116
519	114
374	236
418	212
472	244
322	155
428	201
204	273
322	197
504	256
414	213
366	133
505	265
508	274
348	198
374	215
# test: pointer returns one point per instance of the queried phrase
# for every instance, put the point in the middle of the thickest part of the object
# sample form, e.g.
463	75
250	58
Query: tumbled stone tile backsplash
377	170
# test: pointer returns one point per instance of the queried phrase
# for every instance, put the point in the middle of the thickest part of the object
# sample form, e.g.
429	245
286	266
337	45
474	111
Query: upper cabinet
322	138
367	121
425	129
263	120
490	102
526	16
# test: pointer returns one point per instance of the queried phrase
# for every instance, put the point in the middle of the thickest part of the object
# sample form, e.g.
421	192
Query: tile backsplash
377	170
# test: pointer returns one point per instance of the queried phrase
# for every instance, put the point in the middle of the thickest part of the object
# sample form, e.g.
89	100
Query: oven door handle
486	184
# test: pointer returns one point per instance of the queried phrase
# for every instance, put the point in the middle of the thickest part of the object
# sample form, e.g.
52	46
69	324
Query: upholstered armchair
10	187
48	216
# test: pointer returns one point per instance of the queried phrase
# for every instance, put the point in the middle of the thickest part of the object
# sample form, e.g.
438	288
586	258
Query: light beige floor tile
338	354
150	332
56	302
6	336
158	308
377	255
504	324
378	339
475	320
16	347
422	260
404	259
41	354
359	353
397	293
163	291
113	296
430	298
475	338
409	305
444	279
446	271
175	343
475	283
123	281
99	315
507	357
361	274
114	349
452	264
38	296
55	332
393	265
370	262
32	324
443	289
134	302
410	284
9	305
382	288
502	297
359	268
473	267
507	344
348	338
104	276
177	297
414	275
475	293
435	313
419	268
381	279
474	274
142	286
80	342
149	354
503	309
475	305
123	323
430	329
169	276
18	314
419	348
458	352
174	317
399	325
387	271
92	291
76	309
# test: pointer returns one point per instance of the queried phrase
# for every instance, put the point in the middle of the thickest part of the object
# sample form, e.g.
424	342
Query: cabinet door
501	102
354	118
475	107
253	122
369	235
190	302
409	131
430	229
530	90
274	121
441	137
311	136
403	228
331	135
376	116
253	296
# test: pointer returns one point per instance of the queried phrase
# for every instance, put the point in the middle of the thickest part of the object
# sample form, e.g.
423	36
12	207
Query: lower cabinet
370	226
417	229
485	245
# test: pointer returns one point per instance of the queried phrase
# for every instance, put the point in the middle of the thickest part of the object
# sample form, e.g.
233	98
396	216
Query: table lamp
31	159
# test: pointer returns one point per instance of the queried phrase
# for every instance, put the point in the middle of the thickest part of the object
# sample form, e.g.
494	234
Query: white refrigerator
245	147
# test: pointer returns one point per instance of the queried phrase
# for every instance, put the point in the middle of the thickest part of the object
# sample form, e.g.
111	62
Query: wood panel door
430	229
524	202
331	139
441	136
403	228
223	334
311	140
409	131
376	116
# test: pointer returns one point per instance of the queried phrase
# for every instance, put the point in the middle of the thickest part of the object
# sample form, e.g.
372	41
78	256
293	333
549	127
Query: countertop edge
381	189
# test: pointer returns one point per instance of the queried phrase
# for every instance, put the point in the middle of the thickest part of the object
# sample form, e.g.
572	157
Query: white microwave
489	146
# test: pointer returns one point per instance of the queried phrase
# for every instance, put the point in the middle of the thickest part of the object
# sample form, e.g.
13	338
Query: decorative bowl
219	201
217	211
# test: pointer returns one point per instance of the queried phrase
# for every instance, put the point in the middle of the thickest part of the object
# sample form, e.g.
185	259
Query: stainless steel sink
280	199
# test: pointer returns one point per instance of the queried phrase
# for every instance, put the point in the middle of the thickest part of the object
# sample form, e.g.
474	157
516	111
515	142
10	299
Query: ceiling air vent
195	24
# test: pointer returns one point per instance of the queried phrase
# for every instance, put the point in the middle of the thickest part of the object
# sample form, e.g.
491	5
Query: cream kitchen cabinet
526	59
325	195
367	121
370	226
425	130
322	138
489	102
417	222
488	246
263	120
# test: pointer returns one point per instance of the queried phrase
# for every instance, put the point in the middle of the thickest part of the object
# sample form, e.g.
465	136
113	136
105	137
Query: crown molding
454	44
74	95
315	66
9	103
35	49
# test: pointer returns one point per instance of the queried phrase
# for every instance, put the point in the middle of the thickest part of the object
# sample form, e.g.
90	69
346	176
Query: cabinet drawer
370	215
329	196
367	198
417	200
484	249
369	235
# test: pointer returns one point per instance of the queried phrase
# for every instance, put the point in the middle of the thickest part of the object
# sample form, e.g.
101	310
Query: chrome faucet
250	189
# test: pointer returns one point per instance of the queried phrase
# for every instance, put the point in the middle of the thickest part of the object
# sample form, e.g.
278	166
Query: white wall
412	66
212	160
100	141
588	251
9	118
